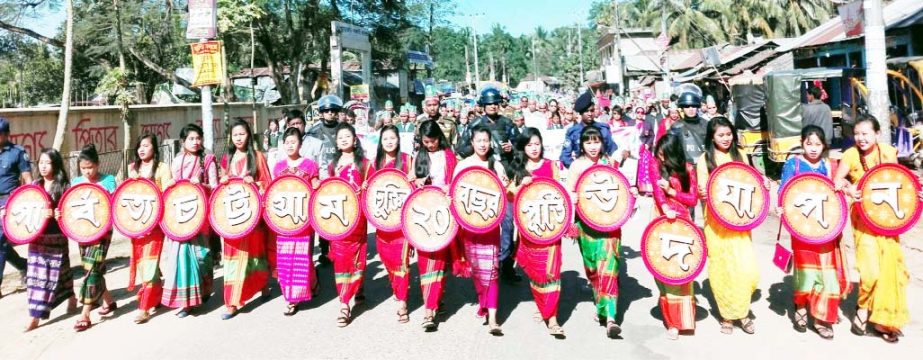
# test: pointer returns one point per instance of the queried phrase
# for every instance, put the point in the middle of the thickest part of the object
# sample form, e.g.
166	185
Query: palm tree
800	16
687	23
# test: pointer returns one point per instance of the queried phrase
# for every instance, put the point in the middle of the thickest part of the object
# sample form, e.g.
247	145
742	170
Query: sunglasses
326	111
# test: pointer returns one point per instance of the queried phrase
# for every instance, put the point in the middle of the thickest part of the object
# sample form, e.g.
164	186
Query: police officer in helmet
693	127
320	145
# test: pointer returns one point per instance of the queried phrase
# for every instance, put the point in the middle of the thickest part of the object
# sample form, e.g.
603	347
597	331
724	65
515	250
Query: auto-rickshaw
784	99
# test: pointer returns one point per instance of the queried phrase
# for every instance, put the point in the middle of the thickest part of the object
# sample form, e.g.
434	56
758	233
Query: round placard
334	209
384	197
137	207
604	201
478	200
673	250
234	209
543	211
736	196
185	211
286	200
889	205
428	221
85	213
25	218
812	210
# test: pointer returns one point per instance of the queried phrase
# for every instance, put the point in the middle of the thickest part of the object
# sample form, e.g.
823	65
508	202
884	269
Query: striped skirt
394	251
246	267
482	253
145	263
94	265
349	262
542	264
295	267
600	253
187	271
820	281
432	267
677	304
49	279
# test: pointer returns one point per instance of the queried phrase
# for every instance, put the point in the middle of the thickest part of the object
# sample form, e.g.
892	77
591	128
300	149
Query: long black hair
292	131
184	133
517	170
380	154
430	129
713	125
358	154
248	148
89	153
156	158
481	129
674	158
58	172
816	131
591	133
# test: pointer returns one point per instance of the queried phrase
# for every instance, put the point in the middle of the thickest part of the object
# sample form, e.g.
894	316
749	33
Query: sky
517	16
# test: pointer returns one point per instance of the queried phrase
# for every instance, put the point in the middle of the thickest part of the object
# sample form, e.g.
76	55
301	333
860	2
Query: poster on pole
207	64
852	16
203	20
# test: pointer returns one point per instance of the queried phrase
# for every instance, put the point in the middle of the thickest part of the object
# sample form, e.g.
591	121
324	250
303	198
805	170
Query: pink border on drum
843	213
205	199
453	230
265	202
363	199
665	279
763	212
913	218
41	228
454	211
214	197
631	199
350	228
568	212
158	216
107	227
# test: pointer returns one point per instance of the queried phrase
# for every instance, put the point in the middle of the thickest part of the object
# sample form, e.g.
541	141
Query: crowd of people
674	145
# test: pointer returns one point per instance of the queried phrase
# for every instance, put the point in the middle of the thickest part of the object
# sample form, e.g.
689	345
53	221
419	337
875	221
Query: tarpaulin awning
419	58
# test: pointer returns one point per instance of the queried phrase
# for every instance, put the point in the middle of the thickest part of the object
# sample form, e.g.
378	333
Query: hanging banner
384	196
85	213
604	201
334	209
26	210
207	63
812	210
185	210
736	196
203	19
478	200
137	207
235	209
543	211
889	199
286	200
853	17
673	250
428	222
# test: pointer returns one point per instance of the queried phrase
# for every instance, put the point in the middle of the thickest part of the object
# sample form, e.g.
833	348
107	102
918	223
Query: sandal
182	313
672	334
824	331
613	330
108	309
403	316
429	323
291	309
142	318
862	328
801	322
82	325
889	337
343	319
727	327
229	315
495	330
556	331
746	324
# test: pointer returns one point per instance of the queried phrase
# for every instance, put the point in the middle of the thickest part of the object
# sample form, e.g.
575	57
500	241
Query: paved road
262	332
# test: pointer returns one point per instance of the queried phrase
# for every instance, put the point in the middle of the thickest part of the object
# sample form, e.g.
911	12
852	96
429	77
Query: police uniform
13	162
571	149
693	131
320	146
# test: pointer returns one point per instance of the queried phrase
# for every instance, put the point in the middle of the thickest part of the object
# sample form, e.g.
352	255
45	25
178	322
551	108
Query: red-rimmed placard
26	210
674	251
286	200
335	209
736	196
85	213
812	210
604	201
185	212
383	198
890	205
137	207
478	200
428	221
543	211
234	209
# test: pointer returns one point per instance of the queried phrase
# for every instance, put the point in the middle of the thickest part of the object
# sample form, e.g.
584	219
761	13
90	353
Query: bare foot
32	325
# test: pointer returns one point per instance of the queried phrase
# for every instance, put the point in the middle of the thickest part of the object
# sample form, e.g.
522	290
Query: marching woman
393	247
883	276
600	250
294	266
674	193
187	265
482	251
48	275
146	250
732	269
820	280
434	165
93	291
541	263
248	261
349	253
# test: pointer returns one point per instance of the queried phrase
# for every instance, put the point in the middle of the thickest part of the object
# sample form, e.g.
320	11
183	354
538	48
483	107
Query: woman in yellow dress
883	275
732	269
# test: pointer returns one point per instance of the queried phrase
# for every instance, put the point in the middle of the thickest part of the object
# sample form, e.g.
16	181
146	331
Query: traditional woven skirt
49	280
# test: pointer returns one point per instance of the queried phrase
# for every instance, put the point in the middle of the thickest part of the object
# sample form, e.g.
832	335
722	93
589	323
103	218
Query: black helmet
490	96
688	99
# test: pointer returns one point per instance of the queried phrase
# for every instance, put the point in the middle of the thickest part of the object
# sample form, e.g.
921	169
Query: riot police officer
693	127
320	146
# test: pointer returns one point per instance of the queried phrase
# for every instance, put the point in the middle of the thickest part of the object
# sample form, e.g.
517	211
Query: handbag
783	256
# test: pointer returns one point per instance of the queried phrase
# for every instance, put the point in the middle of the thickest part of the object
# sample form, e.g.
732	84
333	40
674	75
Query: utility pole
666	58
477	73
618	48
580	51
876	69
534	62
467	67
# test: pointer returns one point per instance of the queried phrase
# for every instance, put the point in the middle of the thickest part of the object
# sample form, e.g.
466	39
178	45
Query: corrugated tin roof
898	13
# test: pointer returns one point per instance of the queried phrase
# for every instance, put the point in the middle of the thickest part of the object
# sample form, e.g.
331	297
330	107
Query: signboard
351	36
207	63
203	19
286	202
604	202
429	225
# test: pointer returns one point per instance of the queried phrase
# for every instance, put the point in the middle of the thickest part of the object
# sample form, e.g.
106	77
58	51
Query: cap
583	103
4	126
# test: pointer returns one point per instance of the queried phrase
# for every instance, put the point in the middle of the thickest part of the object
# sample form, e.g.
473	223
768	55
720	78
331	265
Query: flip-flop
108	309
746	324
557	332
82	325
495	330
344	318
429	324
403	316
291	310
613	330
727	328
